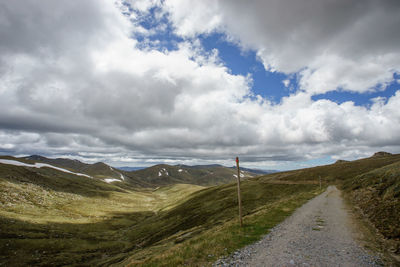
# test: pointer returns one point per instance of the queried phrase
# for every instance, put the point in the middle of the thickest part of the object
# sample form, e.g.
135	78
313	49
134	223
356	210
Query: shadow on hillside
24	243
111	240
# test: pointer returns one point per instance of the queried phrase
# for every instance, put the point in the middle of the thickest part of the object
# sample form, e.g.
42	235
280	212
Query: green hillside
158	175
335	173
49	217
377	195
200	175
69	164
98	170
143	227
371	185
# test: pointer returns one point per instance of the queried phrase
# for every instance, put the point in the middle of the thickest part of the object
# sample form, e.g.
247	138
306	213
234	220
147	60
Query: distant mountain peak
382	154
35	157
341	161
100	164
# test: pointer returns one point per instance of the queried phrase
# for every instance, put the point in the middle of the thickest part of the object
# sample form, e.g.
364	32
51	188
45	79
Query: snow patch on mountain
163	171
241	175
112	180
39	165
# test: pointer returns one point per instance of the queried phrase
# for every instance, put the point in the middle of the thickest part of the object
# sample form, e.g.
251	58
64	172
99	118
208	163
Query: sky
281	84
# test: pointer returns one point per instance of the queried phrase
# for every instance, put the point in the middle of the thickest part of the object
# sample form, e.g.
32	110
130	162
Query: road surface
320	233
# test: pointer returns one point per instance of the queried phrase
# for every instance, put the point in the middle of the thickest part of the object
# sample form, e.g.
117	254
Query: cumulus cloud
347	45
75	82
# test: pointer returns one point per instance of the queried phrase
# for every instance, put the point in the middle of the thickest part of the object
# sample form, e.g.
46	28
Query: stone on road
319	233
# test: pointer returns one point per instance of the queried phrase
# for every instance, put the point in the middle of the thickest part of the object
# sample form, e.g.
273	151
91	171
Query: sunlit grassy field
49	224
206	227
43	226
48	218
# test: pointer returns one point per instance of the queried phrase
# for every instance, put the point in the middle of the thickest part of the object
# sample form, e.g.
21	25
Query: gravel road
320	233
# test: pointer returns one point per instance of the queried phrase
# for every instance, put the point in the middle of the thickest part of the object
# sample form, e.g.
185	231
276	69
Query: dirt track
320	233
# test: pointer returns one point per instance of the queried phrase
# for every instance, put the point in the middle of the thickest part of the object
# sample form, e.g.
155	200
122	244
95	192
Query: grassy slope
206	175
200	175
124	226
377	194
98	170
372	185
46	219
42	226
379	175
335	173
205	226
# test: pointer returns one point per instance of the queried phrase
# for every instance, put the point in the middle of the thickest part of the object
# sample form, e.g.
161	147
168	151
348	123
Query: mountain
98	171
158	175
382	154
205	175
53	178
50	217
129	169
337	172
257	171
61	162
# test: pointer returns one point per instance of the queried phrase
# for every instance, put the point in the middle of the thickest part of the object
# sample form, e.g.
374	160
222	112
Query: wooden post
238	189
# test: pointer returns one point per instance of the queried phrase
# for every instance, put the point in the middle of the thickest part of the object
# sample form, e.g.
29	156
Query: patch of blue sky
160	34
267	84
362	99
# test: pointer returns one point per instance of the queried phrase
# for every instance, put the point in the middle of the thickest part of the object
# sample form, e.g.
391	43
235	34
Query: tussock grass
46	219
206	227
43	226
377	196
333	173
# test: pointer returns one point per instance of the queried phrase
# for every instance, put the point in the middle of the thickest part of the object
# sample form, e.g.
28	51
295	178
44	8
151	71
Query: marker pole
238	189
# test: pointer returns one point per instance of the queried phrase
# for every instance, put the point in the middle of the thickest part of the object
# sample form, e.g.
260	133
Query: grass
333	173
371	186
204	240
49	219
48	225
376	195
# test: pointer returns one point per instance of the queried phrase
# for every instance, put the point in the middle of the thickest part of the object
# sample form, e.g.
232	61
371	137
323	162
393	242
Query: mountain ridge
154	176
77	219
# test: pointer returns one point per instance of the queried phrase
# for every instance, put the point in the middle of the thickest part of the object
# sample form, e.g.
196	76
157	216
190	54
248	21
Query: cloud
193	17
286	82
86	88
334	45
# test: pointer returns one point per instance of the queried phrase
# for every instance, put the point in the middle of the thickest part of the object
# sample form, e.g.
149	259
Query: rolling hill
48	217
205	175
158	175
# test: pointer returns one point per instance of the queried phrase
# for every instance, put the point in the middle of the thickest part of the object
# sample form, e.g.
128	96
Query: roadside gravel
319	233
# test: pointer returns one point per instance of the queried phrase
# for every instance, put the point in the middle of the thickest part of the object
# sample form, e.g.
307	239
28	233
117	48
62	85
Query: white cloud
286	82
82	87
347	45
332	73
193	17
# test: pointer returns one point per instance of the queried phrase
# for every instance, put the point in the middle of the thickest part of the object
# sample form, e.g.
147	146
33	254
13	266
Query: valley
53	217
